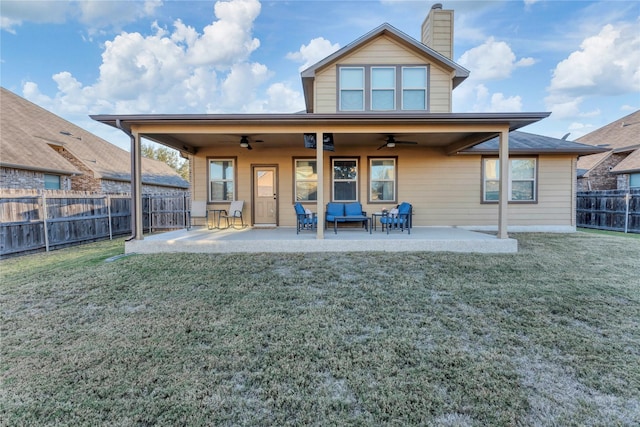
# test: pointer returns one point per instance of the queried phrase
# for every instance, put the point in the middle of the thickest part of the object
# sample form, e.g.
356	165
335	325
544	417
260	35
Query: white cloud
493	60
93	14
176	71
228	39
317	49
607	64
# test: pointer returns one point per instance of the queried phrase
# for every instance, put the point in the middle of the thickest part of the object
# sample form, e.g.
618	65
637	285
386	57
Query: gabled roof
29	132
616	137
528	143
629	165
308	75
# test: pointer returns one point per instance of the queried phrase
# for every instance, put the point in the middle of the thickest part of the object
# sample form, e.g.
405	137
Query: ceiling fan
391	142
244	142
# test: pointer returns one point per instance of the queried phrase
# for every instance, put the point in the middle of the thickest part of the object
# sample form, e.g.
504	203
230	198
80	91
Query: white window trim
296	180
511	180
210	179
394	88
424	88
394	180
367	89
363	89
334	180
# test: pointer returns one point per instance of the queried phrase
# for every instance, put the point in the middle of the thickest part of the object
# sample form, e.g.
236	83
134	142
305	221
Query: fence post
150	216
109	216
44	222
627	198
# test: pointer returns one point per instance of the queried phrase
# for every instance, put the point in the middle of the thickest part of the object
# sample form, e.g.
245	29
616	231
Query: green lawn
549	336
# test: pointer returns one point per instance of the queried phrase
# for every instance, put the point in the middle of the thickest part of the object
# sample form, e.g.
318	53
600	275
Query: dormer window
383	88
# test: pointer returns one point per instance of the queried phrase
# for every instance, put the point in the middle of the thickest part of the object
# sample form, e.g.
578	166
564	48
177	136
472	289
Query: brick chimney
437	30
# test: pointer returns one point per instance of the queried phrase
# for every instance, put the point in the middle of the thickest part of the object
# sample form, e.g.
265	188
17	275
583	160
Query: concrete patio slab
285	239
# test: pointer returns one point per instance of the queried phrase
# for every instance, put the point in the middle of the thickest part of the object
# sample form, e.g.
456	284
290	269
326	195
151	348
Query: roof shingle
29	131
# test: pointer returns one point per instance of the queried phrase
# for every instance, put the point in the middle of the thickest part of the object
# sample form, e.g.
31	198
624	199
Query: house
617	168
378	129
39	150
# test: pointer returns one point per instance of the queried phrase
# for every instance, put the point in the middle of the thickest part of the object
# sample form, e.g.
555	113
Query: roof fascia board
386	29
513	119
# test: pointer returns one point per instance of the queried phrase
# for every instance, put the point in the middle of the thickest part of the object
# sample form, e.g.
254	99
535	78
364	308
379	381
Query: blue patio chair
304	220
400	220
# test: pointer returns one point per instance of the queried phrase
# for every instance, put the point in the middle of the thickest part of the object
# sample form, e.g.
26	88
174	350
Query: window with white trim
351	88
383	88
221	180
382	179
634	180
414	88
522	185
306	180
344	180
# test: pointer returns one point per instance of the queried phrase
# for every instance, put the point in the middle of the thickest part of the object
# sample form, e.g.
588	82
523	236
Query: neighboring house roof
528	143
629	165
616	137
29	131
308	75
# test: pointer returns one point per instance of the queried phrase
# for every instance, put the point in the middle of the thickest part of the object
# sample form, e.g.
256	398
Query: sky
579	60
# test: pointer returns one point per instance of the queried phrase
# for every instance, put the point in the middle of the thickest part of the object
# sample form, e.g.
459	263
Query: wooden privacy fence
615	210
31	221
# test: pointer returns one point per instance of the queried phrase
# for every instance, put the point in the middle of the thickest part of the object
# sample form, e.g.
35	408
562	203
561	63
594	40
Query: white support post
320	189
503	160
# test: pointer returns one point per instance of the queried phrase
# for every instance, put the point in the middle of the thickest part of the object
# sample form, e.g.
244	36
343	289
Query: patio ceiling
451	132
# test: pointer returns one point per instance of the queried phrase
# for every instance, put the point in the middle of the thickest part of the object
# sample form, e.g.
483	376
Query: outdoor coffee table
352	218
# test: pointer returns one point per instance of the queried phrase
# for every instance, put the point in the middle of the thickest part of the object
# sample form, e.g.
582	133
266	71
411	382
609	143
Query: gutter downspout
134	195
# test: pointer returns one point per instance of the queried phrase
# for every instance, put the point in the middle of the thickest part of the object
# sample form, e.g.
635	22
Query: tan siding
382	51
444	190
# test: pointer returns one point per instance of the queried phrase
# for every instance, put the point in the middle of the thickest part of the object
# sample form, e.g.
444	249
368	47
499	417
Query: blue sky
579	60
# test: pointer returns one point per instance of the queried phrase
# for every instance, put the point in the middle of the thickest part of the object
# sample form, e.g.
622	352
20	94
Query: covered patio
284	239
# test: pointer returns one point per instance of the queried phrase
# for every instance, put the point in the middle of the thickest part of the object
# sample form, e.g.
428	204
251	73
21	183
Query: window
522	185
382	180
221	180
351	89
414	88
383	88
306	180
634	180
345	180
52	182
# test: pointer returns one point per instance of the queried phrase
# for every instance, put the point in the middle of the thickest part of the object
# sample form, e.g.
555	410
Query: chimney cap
436	6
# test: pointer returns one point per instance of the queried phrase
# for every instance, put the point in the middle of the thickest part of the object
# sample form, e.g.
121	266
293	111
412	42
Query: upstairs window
383	88
352	89
414	88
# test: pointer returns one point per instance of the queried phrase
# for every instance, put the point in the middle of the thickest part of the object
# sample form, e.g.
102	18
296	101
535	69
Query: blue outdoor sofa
345	212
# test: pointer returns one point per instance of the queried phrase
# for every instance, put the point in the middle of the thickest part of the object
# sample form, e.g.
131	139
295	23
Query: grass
548	336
